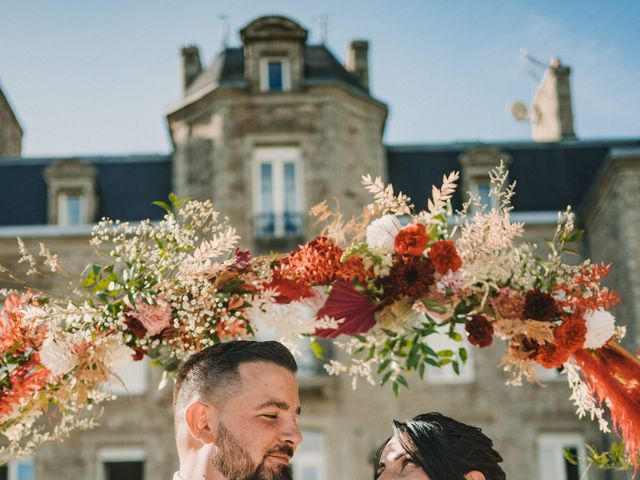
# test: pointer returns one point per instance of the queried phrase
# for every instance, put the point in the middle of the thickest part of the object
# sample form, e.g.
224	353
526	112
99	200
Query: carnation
411	240
480	331
444	257
381	233
154	318
570	335
600	328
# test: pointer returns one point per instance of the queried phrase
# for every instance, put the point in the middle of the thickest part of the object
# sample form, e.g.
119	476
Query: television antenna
223	36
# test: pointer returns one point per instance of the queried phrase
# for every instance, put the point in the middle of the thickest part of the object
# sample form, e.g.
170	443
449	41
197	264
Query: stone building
269	129
10	129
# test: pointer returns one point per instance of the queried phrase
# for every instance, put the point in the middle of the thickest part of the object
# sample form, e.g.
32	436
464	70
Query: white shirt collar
176	476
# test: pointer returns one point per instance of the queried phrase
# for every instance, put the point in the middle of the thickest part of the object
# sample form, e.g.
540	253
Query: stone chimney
191	65
551	108
357	61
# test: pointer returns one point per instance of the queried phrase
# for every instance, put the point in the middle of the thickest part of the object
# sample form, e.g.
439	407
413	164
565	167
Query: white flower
381	233
600	328
57	356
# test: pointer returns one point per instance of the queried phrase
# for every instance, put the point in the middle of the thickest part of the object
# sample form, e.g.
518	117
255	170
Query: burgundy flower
480	331
243	258
409	277
539	306
345	302
135	327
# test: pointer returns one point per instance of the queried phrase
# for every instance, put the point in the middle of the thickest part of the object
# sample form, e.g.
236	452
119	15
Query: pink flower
154	318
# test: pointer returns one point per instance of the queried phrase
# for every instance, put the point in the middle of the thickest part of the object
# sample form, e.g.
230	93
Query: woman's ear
474	475
198	418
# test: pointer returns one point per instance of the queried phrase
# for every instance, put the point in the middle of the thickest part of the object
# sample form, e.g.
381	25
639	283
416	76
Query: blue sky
96	77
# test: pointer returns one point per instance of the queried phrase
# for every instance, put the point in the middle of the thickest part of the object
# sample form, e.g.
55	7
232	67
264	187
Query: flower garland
380	286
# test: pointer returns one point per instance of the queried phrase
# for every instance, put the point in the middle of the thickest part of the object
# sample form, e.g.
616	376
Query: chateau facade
266	131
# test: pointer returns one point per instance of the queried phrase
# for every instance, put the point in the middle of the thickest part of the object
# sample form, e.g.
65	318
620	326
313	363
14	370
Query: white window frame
63	196
135	376
12	467
119	454
277	157
445	374
264	73
556	442
305	458
474	186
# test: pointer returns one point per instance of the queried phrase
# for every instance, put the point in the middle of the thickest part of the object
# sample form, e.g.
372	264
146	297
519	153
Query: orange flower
570	336
319	263
444	256
552	356
411	240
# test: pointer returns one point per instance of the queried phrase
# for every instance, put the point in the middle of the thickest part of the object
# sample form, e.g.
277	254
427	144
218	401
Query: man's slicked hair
212	370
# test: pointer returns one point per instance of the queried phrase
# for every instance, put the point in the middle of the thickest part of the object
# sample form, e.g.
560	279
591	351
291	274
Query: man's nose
291	434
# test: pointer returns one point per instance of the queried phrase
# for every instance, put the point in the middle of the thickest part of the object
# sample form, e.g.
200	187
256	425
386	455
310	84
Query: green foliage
615	458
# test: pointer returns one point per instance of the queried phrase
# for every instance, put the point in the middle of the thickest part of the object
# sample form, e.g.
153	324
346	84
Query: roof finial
224	31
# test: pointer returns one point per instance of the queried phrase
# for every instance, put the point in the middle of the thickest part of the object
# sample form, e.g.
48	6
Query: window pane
25	471
73	207
484	192
266	218
291	216
275	76
123	470
571	470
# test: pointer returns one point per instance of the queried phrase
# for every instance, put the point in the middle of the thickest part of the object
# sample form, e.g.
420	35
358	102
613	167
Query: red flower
411	240
444	256
135	327
242	258
571	334
139	355
409	277
552	356
480	331
319	263
539	306
289	290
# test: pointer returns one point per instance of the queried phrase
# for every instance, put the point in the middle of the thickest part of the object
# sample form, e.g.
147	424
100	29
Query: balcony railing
278	225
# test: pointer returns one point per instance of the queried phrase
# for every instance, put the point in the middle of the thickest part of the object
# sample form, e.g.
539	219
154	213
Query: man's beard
235	463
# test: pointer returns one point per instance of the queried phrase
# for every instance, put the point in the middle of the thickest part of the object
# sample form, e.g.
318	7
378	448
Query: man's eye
407	462
270	416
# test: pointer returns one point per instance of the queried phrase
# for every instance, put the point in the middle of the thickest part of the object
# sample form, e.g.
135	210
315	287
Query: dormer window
71	207
72	198
274	74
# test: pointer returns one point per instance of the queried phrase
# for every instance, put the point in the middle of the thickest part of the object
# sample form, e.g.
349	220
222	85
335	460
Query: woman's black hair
445	448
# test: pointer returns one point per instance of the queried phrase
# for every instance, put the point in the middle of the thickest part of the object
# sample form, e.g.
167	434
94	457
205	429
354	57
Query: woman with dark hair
434	447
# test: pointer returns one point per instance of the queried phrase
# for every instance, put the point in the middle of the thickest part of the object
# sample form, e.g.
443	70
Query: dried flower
570	335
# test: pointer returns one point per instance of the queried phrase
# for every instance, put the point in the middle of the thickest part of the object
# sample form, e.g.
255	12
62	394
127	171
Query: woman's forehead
393	449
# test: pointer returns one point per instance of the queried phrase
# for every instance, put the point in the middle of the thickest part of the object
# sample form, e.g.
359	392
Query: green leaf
446	353
390	333
421	370
386	377
403	381
456	367
317	350
455	336
463	355
162	205
384	365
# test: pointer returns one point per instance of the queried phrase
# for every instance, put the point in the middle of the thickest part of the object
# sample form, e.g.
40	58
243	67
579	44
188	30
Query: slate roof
320	66
549	176
126	186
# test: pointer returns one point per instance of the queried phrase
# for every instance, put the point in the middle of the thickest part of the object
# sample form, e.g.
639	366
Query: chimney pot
357	61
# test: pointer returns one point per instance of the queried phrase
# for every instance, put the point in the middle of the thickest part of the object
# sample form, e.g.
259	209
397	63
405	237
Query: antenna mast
224	31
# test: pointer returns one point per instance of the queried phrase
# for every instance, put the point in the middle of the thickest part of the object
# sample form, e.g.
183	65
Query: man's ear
200	420
474	475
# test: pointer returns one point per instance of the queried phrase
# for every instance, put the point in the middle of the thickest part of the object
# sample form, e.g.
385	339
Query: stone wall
10	130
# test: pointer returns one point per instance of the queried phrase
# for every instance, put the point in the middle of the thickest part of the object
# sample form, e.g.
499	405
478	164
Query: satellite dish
519	111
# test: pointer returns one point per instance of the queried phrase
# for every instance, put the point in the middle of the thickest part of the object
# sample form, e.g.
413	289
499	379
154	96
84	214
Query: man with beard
236	408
